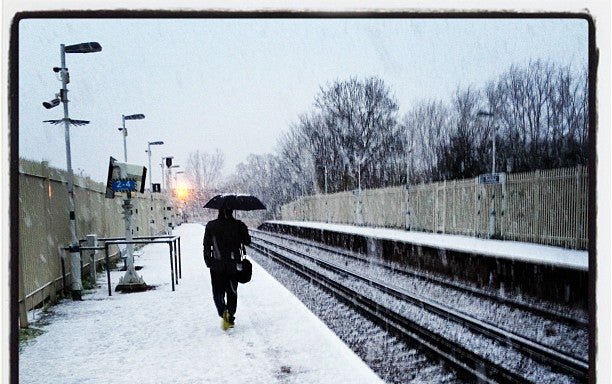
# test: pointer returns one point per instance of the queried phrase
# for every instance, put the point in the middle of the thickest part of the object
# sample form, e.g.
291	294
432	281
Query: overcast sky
236	84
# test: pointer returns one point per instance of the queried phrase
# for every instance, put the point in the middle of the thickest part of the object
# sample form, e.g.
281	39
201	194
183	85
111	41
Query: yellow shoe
225	322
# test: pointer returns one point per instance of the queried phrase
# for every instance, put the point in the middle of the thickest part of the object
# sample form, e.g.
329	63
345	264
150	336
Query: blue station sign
123	185
492	178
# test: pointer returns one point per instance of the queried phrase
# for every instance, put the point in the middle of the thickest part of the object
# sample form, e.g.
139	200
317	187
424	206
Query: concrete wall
44	225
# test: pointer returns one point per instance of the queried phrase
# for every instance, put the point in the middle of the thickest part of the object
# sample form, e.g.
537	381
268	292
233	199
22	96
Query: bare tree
539	116
262	176
358	122
568	113
463	156
428	127
204	172
296	150
541	111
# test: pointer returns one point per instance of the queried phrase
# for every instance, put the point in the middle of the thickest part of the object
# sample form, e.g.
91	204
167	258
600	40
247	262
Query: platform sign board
124	177
492	178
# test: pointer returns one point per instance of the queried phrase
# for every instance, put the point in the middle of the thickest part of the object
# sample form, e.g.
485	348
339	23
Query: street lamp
176	176
170	197
151	220
62	97
408	168
324	168
167	161
360	201
175	183
123	129
182	195
170	184
492	212
150	169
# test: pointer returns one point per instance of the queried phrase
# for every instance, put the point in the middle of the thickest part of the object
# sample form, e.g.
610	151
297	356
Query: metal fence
44	226
546	207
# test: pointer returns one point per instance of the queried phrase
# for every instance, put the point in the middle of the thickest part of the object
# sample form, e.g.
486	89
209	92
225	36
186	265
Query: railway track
538	310
471	364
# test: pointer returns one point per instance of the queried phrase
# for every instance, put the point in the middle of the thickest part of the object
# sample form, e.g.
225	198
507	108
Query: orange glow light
182	190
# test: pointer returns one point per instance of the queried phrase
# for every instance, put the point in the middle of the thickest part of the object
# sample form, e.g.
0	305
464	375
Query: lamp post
408	167
161	165
151	221
123	129
492	212
176	176
180	214
168	162
360	201
62	96
150	169
171	198
171	183
324	167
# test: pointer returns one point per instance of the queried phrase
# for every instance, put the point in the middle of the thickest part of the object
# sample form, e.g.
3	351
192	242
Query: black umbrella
235	201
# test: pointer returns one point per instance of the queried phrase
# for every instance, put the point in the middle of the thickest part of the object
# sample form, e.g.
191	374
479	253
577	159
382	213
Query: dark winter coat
230	234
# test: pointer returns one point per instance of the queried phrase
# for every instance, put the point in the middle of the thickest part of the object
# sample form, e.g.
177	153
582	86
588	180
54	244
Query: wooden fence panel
424	206
383	207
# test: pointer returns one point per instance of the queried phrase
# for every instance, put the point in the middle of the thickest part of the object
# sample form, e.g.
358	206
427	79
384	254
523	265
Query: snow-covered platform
161	336
511	250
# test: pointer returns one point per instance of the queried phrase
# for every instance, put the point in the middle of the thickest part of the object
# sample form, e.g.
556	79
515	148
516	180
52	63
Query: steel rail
553	315
544	354
468	364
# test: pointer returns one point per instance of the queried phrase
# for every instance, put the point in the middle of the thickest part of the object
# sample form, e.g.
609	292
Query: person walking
224	238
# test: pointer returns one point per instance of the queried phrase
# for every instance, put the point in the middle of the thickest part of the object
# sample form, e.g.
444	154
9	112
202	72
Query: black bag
244	271
244	268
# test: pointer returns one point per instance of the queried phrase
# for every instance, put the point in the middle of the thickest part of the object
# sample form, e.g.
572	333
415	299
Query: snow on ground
161	336
520	251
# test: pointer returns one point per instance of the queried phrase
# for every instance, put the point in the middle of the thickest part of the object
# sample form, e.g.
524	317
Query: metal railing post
92	241
174	250
106	261
171	265
179	256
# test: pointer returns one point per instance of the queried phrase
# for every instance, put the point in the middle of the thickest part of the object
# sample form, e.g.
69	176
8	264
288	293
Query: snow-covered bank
162	336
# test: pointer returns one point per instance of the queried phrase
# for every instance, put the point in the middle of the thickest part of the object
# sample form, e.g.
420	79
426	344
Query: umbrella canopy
235	202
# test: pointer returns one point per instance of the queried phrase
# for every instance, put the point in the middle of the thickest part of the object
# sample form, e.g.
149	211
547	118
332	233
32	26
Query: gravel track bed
479	344
392	359
568	339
